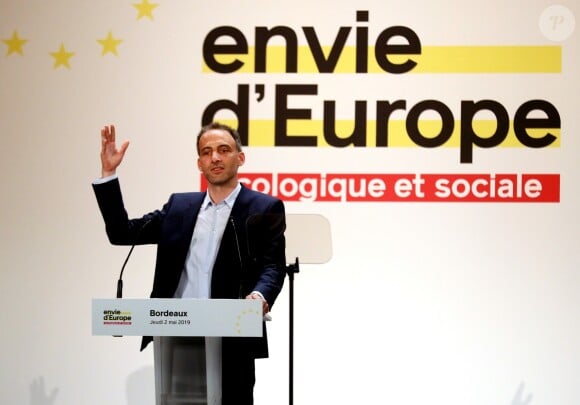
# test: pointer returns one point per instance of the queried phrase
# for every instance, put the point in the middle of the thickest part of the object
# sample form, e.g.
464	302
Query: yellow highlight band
433	59
261	132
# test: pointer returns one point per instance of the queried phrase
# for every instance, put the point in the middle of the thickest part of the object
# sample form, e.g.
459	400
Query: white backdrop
422	302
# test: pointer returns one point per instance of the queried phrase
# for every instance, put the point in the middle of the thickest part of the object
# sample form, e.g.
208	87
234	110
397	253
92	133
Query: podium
183	330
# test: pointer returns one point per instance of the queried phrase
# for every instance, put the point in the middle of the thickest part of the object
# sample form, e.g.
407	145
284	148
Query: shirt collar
229	200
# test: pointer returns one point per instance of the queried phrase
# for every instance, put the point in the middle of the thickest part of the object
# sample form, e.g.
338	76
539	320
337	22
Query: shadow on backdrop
39	395
141	387
519	397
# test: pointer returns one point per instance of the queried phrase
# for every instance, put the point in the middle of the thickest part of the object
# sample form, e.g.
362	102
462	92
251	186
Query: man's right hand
111	157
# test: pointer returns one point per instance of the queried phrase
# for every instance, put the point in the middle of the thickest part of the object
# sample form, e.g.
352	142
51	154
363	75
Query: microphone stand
291	269
120	280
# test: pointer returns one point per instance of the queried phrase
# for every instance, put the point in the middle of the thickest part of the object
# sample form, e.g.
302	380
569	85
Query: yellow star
61	57
109	44
145	9
15	44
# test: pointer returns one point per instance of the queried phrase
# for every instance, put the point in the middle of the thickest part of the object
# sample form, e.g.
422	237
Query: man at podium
226	242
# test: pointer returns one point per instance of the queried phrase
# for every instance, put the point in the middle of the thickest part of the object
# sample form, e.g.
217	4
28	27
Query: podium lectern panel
181	370
308	237
187	339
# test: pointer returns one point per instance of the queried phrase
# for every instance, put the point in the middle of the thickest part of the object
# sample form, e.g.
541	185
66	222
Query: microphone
239	256
267	317
120	281
237	243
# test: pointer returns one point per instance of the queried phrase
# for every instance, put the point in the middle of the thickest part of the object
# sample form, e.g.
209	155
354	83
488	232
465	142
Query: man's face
218	158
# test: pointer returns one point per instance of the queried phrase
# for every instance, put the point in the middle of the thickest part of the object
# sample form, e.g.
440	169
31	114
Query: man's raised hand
111	156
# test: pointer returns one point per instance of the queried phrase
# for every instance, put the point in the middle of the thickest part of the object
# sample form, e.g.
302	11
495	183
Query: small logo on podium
117	317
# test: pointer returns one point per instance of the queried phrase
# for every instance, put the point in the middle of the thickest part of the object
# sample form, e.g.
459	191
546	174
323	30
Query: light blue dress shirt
195	281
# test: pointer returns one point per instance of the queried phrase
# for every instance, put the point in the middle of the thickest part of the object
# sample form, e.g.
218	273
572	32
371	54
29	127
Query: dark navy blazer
251	255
